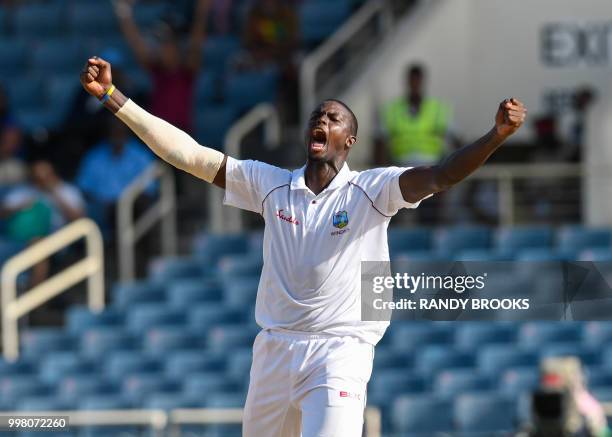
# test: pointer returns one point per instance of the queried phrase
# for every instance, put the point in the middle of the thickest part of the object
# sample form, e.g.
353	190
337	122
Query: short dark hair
415	70
354	125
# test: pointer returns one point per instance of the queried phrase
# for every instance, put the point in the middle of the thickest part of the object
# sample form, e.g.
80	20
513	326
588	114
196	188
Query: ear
350	141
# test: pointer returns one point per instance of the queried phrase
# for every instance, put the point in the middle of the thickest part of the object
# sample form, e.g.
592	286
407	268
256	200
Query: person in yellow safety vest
414	127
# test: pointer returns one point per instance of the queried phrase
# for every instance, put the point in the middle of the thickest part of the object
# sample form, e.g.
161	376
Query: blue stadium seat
181	362
577	238
473	335
588	357
184	293
246	89
104	402
494	359
481	255
98	342
535	334
389	358
44	403
213	122
86	18
387	384
422	414
541	254
519	380
137	293
137	386
597	334
226	400
168	401
74	387
13	58
207	89
16	368
511	240
13	388
80	318
218	50
599	377
142	317
56	365
240	291
148	14
239	364
452	382
225	337
165	269
211	247
38	20
319	19
409	240
62	55
484	412
432	359
236	266
202	317
603	394
162	341
33	120
449	241
25	92
410	336
200	385
121	363
36	342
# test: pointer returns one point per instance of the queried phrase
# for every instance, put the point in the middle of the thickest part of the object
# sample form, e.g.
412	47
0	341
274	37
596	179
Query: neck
319	174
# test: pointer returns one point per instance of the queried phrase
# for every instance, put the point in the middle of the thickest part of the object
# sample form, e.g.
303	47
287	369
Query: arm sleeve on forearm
170	143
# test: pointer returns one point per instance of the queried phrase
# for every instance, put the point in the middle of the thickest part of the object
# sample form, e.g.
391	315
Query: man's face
415	83
328	135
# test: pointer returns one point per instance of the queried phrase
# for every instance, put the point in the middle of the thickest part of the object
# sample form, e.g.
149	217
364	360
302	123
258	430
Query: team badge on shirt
340	219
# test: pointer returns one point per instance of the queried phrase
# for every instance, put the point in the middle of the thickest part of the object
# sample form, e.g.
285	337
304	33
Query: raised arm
198	34
419	182
124	12
168	142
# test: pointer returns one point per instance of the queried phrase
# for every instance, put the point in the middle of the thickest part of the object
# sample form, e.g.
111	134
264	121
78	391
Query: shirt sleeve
247	183
382	187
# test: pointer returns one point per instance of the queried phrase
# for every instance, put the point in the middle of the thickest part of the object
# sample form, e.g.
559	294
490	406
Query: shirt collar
298	181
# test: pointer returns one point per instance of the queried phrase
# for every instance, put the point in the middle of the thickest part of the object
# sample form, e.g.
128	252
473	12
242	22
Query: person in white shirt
313	357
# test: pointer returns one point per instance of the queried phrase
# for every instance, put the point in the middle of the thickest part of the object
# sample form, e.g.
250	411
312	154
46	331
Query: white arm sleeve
170	143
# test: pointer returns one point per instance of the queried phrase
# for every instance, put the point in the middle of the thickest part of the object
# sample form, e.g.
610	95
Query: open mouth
318	139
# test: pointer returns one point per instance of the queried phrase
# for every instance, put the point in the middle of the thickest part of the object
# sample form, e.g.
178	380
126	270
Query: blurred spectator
221	16
564	392
39	208
583	99
271	33
172	72
109	168
12	169
415	130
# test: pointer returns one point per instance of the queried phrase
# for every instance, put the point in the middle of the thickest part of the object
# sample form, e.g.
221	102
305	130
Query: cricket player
313	357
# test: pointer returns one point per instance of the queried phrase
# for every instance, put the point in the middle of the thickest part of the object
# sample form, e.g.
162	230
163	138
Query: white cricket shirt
314	244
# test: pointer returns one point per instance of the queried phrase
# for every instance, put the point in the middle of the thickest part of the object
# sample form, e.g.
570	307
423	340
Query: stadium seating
188	329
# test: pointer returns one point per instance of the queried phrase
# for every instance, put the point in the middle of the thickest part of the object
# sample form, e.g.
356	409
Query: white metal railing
129	230
229	219
161	421
91	268
313	62
505	175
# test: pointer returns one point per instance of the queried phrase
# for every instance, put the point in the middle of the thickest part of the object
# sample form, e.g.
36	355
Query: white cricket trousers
307	385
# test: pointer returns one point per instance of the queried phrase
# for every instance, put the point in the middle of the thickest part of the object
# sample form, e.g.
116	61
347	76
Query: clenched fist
510	117
96	77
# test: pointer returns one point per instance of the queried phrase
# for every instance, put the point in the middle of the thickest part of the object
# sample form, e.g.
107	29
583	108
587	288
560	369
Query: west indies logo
340	219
